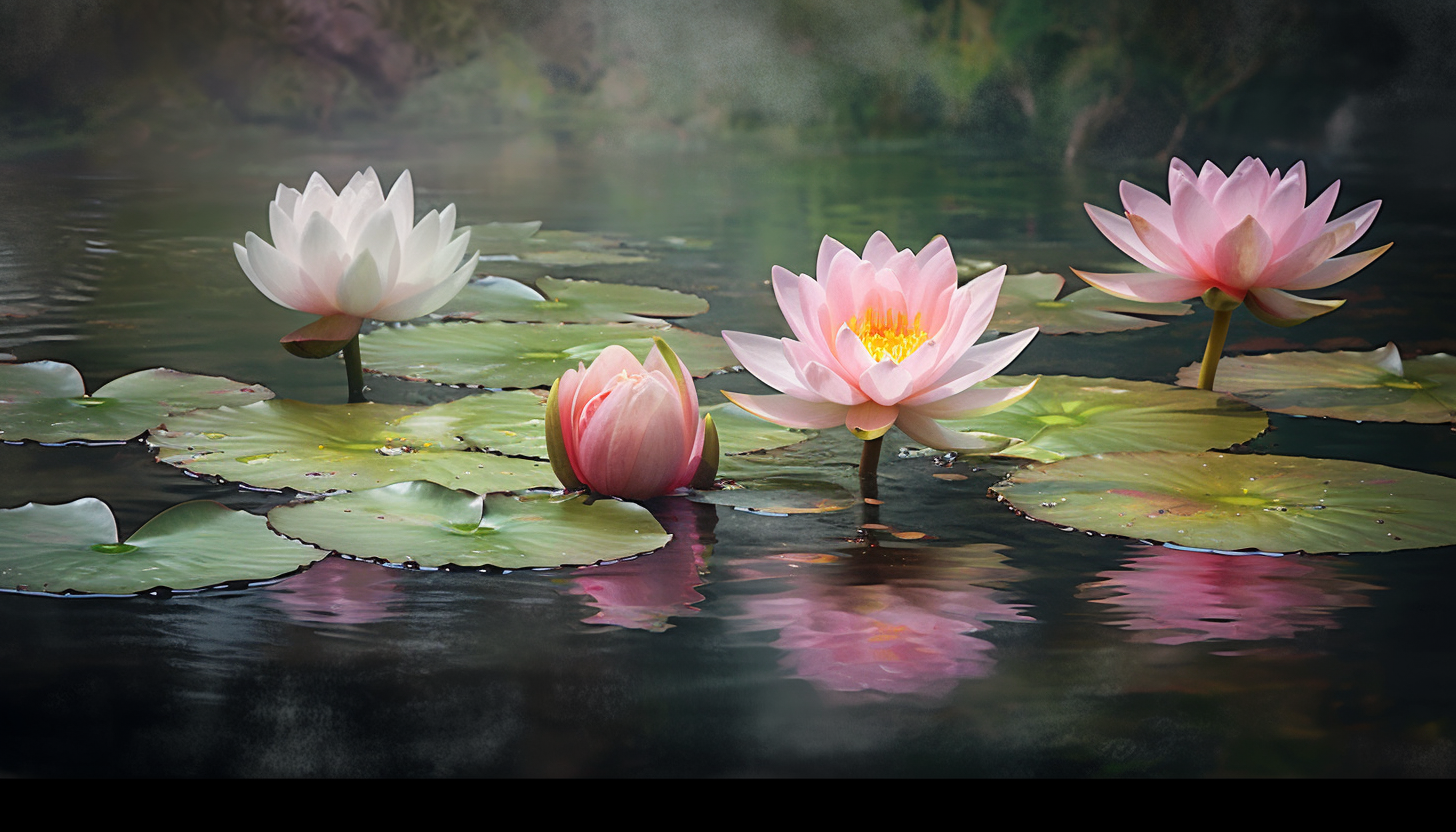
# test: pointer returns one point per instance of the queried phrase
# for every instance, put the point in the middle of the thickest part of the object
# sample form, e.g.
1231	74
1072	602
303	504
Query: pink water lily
630	429
882	340
1248	235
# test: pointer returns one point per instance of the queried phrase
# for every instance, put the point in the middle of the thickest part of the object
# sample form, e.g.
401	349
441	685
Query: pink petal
609	363
851	353
1149	206
1334	270
932	250
828	385
1362	217
766	359
1198	224
1120	232
879	250
1309	223
1179	170
1165	250
1285	204
974	401
838	286
789	411
932	434
871	417
975	365
1146	286
885	382
1241	255
1283	309
1210	179
829	248
1303	259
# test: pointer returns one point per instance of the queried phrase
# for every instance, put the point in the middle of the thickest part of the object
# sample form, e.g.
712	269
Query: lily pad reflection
1065	416
46	401
1240	501
1374	386
73	548
427	525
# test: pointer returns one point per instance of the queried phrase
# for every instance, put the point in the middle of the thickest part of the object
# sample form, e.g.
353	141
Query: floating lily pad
568	301
1240	501
315	447
522	355
73	548
503	237
514	422
1067	416
1374	386
1028	300
46	401
576	248
424	524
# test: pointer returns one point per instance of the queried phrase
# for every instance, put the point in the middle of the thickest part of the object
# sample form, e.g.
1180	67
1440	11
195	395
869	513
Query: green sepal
556	443
707	472
1220	301
322	338
867	435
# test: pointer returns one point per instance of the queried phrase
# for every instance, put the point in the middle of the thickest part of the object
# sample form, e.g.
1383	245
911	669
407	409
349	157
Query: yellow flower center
888	334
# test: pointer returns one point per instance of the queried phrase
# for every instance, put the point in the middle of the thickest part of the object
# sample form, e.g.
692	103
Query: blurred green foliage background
1066	79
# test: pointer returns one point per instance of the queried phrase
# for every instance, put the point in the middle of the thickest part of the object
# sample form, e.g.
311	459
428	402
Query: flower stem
869	468
1214	349
355	368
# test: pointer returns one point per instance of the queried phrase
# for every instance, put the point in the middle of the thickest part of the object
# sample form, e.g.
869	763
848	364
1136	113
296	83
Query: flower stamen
889	334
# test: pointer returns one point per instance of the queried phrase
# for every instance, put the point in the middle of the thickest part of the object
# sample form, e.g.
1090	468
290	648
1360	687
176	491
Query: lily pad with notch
46	401
1231	502
74	548
427	525
1065	416
314	447
568	301
1373	386
1028	300
498	354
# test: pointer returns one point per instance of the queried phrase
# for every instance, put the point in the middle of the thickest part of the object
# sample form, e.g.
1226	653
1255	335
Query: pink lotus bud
630	430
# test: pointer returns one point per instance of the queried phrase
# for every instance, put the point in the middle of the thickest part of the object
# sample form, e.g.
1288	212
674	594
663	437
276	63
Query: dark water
753	645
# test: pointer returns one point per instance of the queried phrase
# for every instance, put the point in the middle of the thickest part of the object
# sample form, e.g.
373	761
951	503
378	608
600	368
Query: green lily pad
495	238
46	401
1066	416
568	301
316	447
740	432
73	548
1028	300
1240	501
514	422
1374	386
428	525
576	248
522	355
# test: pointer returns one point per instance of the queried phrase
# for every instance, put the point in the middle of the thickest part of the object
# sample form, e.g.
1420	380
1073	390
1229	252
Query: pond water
753	645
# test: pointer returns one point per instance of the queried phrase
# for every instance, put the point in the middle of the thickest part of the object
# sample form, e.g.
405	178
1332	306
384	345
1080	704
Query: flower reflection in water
891	619
1179	596
338	591
645	592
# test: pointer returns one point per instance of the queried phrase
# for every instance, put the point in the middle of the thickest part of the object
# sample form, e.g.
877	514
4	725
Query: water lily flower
1248	234
882	340
630	429
353	255
1242	238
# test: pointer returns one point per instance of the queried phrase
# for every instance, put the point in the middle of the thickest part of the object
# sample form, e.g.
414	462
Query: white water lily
353	255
